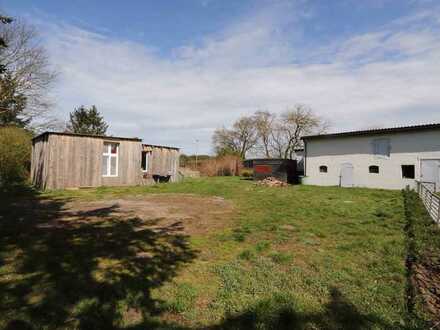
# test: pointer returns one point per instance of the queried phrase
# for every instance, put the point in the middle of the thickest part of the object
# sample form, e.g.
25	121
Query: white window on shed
110	159
381	147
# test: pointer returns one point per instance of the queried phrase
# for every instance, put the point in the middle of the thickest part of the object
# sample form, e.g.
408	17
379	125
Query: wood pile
272	182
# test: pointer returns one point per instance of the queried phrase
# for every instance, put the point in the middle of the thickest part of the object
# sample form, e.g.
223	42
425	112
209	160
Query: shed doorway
430	172
346	178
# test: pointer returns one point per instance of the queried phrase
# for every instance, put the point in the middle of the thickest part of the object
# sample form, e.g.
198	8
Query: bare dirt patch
189	214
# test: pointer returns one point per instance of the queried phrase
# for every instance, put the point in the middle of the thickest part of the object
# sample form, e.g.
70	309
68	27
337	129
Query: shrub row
228	165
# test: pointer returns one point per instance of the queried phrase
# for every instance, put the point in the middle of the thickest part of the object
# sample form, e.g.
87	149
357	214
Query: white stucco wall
406	149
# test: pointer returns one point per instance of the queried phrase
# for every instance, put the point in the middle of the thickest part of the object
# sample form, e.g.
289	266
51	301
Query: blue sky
172	71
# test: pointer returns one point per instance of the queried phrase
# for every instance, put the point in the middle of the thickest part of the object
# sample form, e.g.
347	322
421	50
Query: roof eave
379	131
159	146
104	137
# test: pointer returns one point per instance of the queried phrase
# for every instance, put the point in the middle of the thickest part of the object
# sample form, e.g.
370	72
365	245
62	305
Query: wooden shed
159	163
67	160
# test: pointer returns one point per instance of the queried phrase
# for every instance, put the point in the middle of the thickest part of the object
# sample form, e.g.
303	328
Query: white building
389	158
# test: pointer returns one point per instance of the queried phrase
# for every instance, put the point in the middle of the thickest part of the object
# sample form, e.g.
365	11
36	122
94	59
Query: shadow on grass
95	270
280	313
89	270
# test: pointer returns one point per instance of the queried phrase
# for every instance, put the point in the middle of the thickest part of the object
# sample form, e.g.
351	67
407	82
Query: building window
145	161
408	171
381	147
110	159
373	169
323	169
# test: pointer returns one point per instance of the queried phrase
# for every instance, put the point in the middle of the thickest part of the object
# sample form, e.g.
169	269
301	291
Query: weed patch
247	255
281	257
262	246
182	298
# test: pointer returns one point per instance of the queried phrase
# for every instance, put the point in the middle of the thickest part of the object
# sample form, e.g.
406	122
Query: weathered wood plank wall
74	161
40	162
62	161
129	165
163	161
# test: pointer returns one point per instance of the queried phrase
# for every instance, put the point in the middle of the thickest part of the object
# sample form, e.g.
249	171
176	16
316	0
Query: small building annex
68	160
389	158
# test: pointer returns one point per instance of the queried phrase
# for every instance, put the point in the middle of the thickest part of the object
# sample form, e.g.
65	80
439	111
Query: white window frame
147	155
107	152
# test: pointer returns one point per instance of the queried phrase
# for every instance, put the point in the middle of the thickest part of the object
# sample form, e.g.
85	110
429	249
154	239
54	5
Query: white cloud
386	77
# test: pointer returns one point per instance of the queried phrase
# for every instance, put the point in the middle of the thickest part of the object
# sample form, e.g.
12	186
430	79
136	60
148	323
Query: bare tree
27	62
240	139
3	20
245	134
291	126
264	124
264	132
278	140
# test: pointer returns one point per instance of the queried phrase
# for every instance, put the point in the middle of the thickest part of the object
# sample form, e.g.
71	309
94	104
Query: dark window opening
408	171
145	159
323	169
373	169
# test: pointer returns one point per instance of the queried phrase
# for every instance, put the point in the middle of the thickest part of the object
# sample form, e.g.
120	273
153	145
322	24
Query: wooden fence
430	199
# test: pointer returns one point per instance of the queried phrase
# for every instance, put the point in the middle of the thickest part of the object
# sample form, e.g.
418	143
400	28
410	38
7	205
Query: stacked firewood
272	182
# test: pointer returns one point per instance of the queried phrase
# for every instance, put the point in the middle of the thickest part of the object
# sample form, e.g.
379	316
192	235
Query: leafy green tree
238	140
12	103
87	121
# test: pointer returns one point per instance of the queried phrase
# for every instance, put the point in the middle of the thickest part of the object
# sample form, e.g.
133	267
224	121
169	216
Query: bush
247	173
15	156
220	166
224	172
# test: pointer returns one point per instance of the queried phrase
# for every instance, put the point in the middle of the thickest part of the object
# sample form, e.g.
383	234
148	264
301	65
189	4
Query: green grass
299	257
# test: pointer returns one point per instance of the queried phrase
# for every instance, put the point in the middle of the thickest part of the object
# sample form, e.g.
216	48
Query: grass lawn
301	257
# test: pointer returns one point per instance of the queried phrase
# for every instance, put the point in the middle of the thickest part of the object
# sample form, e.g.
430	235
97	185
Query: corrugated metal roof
375	131
87	135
